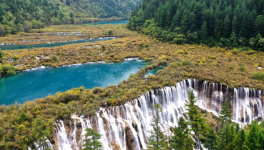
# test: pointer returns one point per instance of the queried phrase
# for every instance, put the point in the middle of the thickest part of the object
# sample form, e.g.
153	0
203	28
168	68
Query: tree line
22	15
224	23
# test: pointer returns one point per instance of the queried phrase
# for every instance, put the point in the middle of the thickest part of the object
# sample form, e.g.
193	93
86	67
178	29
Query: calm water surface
107	22
40	83
14	47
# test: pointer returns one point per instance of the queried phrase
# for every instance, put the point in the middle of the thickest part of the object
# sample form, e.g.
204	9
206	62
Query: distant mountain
19	15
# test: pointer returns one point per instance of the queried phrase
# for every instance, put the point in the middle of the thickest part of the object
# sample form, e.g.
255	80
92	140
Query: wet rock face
129	138
115	146
127	126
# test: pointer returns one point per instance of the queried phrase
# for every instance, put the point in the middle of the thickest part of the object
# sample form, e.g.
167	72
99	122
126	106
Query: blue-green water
14	47
154	71
106	22
40	83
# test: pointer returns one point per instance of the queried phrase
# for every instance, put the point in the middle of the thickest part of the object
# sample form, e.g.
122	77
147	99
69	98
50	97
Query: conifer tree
181	139
253	136
197	123
211	140
223	136
92	140
230	136
261	140
157	139
239	141
226	111
204	31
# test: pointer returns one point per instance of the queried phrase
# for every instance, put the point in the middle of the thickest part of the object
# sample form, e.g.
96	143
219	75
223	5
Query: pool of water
154	71
40	83
14	47
106	22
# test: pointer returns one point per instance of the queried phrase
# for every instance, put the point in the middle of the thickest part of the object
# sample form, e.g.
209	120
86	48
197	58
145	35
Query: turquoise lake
106	22
40	83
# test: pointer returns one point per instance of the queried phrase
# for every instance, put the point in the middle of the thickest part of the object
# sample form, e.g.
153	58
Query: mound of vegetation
237	23
22	15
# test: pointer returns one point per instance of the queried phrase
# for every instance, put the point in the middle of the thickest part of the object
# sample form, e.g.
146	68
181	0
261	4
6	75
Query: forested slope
20	15
233	23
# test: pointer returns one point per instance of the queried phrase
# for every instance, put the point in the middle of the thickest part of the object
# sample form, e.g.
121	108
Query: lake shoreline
98	62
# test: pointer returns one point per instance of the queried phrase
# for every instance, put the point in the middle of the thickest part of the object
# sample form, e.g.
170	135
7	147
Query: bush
235	51
186	62
110	32
174	65
180	52
15	58
8	70
147	45
242	69
212	57
259	76
2	54
251	52
230	59
97	90
103	48
54	58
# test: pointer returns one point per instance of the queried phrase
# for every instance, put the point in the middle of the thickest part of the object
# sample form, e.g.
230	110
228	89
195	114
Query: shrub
97	90
259	76
212	57
147	45
48	60
54	58
251	52
175	65
242	69
2	54
15	58
180	52
230	59
110	32
8	70
141	45
235	51
103	48
186	62
231	68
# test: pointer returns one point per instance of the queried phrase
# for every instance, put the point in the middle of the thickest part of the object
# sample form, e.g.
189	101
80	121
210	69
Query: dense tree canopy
212	22
20	15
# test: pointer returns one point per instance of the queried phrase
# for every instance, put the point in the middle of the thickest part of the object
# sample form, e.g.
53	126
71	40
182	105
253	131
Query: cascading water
127	126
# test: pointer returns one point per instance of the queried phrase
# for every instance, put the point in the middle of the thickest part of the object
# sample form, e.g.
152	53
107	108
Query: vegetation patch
259	76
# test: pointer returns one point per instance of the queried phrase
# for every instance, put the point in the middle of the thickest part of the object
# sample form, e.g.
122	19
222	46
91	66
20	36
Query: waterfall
127	126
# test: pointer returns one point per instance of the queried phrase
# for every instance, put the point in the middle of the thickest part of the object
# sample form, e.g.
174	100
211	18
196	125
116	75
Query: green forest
22	15
223	23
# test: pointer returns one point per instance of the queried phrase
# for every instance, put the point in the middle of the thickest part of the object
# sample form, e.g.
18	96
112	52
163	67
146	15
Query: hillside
20	15
237	23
